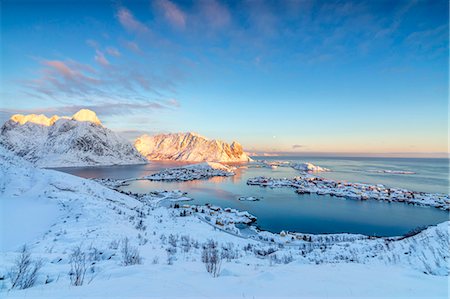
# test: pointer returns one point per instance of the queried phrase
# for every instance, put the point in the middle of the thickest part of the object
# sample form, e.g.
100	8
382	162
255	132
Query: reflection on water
282	209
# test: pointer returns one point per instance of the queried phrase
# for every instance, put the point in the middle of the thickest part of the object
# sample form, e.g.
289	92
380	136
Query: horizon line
428	155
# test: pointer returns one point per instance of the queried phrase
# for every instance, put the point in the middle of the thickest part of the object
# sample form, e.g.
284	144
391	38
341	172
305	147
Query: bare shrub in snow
173	239
130	254
248	247
263	251
142	240
25	271
78	267
185	243
171	254
287	258
273	259
140	225
211	258
196	244
114	244
229	252
95	255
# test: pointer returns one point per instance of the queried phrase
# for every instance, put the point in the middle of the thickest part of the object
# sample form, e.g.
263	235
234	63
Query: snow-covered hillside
189	147
80	140
135	247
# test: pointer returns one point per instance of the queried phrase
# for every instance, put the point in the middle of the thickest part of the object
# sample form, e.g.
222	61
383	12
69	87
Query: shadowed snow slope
80	140
189	147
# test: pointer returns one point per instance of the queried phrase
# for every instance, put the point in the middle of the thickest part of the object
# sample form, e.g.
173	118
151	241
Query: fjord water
283	209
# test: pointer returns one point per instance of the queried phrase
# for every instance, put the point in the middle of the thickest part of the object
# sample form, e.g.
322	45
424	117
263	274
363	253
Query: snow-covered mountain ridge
79	140
189	147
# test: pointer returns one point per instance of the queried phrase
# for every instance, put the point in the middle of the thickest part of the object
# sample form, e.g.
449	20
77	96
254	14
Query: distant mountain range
79	140
189	147
82	140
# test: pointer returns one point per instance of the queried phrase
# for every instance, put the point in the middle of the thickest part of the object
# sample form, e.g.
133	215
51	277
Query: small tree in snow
211	258
78	267
130	254
25	271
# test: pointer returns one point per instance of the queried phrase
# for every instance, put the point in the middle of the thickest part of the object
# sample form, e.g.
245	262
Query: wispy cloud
102	109
67	81
216	14
129	22
113	51
101	59
435	39
297	146
133	46
172	13
172	103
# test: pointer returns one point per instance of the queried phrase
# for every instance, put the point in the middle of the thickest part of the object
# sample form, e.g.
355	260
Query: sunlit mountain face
82	115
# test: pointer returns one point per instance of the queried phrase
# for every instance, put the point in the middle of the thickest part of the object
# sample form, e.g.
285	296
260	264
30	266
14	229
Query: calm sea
283	209
430	175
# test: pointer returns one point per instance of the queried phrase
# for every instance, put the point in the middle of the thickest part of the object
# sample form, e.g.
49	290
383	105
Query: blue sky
277	76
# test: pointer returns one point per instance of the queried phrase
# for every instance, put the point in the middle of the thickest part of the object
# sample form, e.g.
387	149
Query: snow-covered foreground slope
80	140
170	244
189	147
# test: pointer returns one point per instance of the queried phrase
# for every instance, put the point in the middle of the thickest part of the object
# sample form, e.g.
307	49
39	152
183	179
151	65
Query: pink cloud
112	51
173	103
133	46
216	14
101	59
130	23
173	14
92	43
61	68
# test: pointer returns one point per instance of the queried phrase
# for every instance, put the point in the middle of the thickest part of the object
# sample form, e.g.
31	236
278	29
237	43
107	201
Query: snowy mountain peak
86	115
79	140
40	119
189	147
35	119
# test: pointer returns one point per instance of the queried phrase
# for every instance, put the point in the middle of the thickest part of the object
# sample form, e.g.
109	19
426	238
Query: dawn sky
277	76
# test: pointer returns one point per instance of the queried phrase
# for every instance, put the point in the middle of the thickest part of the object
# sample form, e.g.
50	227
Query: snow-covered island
322	186
249	198
389	171
192	172
308	167
300	166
